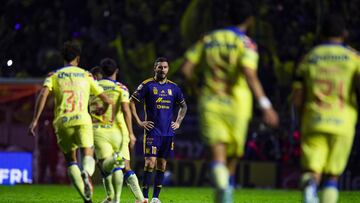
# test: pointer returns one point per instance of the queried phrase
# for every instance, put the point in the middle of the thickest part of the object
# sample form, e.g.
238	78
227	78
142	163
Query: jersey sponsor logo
76	75
162	106
161	100
71	118
315	58
108	87
155	90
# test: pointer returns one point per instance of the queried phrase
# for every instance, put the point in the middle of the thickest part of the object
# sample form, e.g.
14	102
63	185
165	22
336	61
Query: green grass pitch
66	193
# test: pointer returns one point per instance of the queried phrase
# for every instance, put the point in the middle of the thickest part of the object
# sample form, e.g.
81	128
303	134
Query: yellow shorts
326	153
107	141
70	138
220	122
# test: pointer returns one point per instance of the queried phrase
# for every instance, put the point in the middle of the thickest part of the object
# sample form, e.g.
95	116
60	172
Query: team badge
155	91
169	92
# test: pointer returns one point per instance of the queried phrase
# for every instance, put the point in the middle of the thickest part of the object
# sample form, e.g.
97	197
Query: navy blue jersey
159	101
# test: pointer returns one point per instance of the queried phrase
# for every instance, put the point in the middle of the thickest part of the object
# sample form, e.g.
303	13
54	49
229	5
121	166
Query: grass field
61	193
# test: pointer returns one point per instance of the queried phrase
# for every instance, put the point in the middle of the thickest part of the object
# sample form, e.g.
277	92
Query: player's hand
32	128
147	125
132	141
175	125
270	117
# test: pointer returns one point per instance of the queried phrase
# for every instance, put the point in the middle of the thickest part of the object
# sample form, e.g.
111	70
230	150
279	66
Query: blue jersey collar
114	81
236	30
333	44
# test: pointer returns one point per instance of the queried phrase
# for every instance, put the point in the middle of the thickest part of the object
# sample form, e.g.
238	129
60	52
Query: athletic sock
76	179
330	192
133	183
146	182
159	177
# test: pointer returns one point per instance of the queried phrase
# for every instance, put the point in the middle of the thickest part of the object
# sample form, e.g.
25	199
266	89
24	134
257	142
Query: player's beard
161	76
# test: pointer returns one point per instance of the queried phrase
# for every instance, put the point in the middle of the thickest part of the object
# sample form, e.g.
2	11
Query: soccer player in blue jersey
160	97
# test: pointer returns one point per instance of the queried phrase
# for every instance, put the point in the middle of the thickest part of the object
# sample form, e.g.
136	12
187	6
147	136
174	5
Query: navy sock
159	177
146	183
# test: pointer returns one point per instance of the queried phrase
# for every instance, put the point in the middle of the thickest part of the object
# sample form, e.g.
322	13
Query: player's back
113	90
224	53
329	72
71	87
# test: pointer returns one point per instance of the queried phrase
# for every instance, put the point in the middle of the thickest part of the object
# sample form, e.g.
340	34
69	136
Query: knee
161	164
150	163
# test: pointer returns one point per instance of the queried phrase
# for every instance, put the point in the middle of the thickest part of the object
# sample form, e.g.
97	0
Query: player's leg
132	182
84	138
165	151
219	171
330	191
235	149
150	153
216	134
314	147
107	183
340	148
107	147
129	176
75	173
66	137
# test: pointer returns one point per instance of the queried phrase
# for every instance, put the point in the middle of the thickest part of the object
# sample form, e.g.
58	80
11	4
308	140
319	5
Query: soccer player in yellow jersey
113	132
228	60
71	87
324	92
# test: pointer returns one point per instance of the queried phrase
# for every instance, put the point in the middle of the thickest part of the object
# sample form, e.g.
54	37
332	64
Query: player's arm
298	91
192	58
98	91
180	117
143	124
270	117
39	107
125	107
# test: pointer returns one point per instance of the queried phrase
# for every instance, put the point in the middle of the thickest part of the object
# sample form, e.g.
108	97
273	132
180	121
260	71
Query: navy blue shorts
158	146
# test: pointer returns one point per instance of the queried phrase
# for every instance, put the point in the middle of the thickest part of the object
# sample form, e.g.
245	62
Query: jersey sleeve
140	92
194	53
124	94
49	81
250	56
95	88
179	96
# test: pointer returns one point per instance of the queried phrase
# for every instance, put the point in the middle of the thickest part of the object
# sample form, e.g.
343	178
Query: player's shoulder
122	86
148	81
352	51
171	83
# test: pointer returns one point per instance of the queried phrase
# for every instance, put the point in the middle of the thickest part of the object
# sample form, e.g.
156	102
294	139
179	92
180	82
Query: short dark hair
95	70
160	59
239	11
108	66
333	25
70	51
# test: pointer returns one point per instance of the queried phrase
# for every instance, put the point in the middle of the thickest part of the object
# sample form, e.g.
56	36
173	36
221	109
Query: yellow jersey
72	87
328	75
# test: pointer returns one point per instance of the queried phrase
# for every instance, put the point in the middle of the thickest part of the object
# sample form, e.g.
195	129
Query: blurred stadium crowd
135	32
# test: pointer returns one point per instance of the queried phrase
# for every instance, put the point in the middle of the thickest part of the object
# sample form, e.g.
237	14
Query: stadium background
135	32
